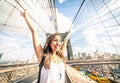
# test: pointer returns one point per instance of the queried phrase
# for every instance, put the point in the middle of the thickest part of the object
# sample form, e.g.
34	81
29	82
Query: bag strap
40	67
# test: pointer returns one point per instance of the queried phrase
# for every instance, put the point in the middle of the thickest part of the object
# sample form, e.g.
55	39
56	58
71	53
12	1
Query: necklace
60	76
60	73
57	60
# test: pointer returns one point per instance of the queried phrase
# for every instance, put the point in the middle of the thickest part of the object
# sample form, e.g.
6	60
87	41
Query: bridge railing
103	67
16	73
8	75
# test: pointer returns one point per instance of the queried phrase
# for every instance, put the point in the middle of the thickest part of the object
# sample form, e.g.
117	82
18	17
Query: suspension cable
30	16
106	31
97	32
77	13
26	33
12	5
111	12
33	9
53	12
56	24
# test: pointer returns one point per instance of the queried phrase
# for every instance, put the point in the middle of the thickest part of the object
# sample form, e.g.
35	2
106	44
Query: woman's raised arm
65	42
36	43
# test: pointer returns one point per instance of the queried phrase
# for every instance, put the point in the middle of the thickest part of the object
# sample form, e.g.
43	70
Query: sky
88	34
88	37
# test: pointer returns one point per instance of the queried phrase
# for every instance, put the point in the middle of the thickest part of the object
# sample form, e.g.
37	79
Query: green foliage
1	55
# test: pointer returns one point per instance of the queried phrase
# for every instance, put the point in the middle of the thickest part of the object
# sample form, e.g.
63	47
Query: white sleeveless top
56	73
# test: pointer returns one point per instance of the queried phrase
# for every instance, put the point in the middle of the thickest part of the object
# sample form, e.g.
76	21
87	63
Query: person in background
53	70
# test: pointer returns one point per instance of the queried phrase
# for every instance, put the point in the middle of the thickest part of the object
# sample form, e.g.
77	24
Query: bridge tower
69	47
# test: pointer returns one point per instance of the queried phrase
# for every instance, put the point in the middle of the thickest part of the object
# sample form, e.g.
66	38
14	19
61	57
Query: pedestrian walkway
73	75
76	77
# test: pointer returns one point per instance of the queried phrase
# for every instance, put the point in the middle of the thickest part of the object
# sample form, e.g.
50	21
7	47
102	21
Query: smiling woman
53	69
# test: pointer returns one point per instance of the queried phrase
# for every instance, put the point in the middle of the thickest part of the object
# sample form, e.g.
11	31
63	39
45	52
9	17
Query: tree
1	55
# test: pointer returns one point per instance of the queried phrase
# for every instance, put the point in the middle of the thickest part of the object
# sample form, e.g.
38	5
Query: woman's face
56	43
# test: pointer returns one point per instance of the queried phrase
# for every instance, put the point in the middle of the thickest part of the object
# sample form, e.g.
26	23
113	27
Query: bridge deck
74	77
29	73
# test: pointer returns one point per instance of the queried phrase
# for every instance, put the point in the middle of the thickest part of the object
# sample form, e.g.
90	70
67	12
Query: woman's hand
69	31
24	14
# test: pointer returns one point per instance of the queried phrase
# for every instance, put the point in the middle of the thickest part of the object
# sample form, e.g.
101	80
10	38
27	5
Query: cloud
63	22
97	38
15	46
101	40
61	1
18	54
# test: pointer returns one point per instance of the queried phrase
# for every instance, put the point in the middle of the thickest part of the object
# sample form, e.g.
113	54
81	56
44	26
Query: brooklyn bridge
93	50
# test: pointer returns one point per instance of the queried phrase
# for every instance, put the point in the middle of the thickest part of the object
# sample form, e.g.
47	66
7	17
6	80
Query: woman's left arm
65	42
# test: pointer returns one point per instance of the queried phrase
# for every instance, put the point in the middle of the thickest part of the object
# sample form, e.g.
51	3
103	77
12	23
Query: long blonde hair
48	51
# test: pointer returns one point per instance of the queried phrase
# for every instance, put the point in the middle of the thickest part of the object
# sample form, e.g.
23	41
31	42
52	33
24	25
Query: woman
53	70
